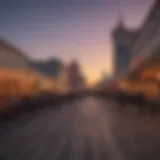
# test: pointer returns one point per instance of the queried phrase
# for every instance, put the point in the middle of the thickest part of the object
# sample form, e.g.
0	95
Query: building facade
122	42
70	79
62	81
50	67
12	57
76	79
144	69
146	49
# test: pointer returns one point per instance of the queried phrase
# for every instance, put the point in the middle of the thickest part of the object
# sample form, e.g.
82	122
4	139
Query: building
17	77
144	69
146	49
76	79
62	82
49	67
122	42
12	57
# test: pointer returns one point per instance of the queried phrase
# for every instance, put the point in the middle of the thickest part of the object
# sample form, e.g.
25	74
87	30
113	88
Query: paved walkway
85	129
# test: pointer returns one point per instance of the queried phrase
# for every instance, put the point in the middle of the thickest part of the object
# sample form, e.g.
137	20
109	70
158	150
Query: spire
120	26
120	20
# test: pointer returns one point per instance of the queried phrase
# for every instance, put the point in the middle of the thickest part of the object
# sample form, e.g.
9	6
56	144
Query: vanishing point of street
84	129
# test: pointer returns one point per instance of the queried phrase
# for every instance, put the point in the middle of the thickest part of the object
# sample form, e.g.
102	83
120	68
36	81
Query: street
84	129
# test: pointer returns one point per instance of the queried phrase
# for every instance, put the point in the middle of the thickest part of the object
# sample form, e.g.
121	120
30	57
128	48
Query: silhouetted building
104	81
49	68
62	82
13	57
76	79
122	41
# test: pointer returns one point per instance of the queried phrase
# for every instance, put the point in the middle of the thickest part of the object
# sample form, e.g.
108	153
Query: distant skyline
69	29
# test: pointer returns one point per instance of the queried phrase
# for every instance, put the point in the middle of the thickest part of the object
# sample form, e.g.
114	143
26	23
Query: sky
70	29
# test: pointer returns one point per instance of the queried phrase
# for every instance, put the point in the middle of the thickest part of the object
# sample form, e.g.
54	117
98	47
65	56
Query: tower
122	41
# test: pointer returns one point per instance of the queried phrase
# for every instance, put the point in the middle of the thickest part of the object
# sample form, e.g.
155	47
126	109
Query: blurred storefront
146	49
148	89
18	79
144	69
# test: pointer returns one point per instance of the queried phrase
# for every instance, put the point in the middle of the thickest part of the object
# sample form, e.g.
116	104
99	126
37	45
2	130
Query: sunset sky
69	29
